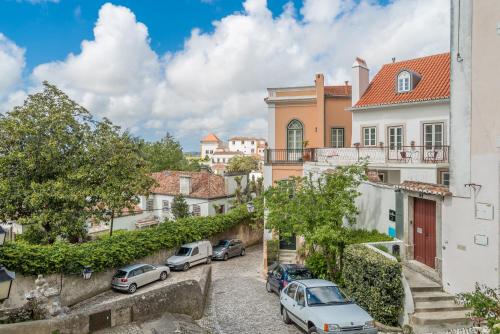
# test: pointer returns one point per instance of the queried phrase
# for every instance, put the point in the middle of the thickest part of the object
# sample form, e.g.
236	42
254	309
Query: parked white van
190	255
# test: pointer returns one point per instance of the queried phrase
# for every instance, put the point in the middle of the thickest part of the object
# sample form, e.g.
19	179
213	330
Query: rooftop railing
346	155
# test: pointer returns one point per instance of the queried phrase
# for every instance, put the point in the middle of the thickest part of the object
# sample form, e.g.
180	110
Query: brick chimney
360	79
185	185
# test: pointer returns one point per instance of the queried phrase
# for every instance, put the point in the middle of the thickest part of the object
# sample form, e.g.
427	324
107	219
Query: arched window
404	82
295	135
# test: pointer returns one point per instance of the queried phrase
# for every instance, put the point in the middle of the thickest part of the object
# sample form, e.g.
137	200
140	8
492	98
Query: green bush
317	264
120	249
273	250
374	282
363	236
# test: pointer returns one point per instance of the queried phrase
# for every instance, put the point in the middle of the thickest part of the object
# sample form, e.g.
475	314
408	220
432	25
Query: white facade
208	149
248	146
471	216
223	157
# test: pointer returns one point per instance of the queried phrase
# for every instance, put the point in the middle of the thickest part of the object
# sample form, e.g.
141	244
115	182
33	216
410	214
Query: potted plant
412	144
306	155
381	144
356	145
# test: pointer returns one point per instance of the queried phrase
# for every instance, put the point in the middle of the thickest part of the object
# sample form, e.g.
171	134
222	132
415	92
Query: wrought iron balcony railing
379	154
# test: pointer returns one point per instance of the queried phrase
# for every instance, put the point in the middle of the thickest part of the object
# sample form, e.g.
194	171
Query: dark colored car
280	275
228	248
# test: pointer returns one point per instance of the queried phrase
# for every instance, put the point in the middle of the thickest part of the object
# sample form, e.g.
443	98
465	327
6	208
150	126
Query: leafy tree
59	166
166	154
243	163
317	210
180	208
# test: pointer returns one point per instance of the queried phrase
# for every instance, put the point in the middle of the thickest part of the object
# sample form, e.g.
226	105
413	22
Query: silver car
136	275
318	306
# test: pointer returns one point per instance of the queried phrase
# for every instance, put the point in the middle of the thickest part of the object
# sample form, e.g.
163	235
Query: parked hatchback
228	248
280	275
134	276
318	306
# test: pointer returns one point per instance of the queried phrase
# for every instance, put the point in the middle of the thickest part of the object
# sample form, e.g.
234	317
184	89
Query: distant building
209	144
247	145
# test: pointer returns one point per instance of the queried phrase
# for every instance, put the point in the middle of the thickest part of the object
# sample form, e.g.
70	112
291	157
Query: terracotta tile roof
433	85
246	138
135	211
203	184
343	90
426	188
210	138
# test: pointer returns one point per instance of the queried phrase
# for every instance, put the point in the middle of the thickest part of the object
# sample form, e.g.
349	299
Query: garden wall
189	296
75	289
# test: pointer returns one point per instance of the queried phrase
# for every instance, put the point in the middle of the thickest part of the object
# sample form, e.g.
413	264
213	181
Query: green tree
166	154
317	210
180	208
59	166
243	164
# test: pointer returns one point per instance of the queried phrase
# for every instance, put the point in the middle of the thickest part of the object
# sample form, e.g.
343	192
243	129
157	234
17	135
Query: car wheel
163	275
209	259
186	267
312	330
284	316
242	252
132	288
268	287
226	257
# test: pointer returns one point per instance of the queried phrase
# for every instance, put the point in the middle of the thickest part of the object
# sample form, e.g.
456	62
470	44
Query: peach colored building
304	117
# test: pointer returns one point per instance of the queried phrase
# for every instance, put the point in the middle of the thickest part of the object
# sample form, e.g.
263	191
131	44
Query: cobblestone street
239	302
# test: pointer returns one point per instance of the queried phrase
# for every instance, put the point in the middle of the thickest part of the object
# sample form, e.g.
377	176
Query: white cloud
36	2
12	64
217	81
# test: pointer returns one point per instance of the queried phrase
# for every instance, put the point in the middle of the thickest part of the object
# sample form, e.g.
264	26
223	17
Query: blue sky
195	66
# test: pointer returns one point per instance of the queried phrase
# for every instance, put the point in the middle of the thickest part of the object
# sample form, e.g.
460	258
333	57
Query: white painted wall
245	146
208	149
374	204
412	117
421	174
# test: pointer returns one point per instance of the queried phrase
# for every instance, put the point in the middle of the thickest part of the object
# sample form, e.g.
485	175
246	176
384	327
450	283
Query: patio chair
431	156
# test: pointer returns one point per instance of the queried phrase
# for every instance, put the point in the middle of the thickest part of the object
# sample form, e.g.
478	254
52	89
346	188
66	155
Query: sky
190	67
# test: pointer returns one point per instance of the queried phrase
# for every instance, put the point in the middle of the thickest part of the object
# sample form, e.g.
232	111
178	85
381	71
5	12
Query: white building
205	193
471	220
209	144
247	145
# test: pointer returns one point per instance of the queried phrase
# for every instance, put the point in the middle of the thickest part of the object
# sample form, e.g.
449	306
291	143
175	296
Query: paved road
239	302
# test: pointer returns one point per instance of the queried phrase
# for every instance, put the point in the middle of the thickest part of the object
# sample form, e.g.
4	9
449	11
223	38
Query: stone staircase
287	256
435	310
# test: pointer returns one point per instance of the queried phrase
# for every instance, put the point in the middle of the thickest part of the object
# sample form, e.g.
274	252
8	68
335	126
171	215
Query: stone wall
75	289
185	297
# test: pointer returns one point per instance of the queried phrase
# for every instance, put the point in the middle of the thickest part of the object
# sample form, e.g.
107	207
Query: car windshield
223	243
325	295
299	273
183	251
120	274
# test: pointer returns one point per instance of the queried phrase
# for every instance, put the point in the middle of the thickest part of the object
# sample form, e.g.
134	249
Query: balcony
349	155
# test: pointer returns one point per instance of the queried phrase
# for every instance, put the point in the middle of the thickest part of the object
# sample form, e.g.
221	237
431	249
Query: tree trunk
111	225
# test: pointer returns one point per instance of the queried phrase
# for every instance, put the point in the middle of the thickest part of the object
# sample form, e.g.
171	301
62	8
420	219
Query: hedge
120	249
374	282
273	250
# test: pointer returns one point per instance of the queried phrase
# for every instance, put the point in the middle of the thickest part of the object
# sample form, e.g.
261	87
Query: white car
318	306
190	255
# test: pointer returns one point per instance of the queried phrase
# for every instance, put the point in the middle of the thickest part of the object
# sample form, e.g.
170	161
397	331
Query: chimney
185	184
360	79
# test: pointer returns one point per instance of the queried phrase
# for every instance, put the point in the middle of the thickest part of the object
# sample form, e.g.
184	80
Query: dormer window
404	82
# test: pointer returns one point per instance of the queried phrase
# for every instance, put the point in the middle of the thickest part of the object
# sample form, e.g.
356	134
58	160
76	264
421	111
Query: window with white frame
165	205
196	210
150	202
337	137
404	82
433	135
395	137
369	136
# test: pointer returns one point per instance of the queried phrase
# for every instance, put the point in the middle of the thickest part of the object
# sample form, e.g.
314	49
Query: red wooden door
424	231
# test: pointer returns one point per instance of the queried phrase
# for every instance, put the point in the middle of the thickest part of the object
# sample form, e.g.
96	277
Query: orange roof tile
203	184
343	90
426	188
434	84
210	138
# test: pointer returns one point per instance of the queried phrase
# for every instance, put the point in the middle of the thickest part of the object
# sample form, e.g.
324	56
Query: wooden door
424	231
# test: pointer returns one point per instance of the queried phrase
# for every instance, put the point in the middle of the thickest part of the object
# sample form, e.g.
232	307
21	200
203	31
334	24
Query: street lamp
6	278
250	207
87	273
3	234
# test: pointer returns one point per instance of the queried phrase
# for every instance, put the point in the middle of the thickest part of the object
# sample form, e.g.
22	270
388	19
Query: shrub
317	264
485	305
273	250
363	236
374	282
120	249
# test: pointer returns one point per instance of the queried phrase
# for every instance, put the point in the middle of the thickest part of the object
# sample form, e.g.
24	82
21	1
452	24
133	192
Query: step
425	288
428	322
437	306
423	270
288	251
431	296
